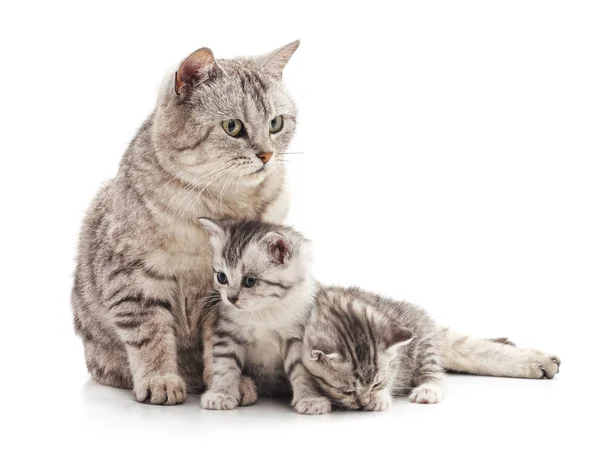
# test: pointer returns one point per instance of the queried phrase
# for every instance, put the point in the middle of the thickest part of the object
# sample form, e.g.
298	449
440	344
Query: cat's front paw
312	405
168	389
542	365
426	393
381	401
247	391
217	401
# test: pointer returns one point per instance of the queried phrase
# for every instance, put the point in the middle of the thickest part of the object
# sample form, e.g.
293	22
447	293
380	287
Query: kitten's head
256	264
223	120
349	350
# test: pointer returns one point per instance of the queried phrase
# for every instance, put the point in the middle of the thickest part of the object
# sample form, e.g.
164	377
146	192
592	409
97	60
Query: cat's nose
233	299
264	156
363	400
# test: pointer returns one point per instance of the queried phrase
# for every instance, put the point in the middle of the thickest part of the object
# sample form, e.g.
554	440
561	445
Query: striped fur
341	345
143	267
258	330
362	349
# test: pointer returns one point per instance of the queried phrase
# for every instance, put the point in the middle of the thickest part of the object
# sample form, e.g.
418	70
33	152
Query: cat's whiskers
177	176
225	184
220	174
191	188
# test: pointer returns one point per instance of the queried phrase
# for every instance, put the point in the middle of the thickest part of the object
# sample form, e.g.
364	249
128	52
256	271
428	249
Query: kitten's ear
216	234
396	337
321	356
278	247
195	69
275	61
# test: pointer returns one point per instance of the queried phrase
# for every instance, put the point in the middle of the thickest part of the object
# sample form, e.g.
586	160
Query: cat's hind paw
312	406
247	391
426	394
217	401
542	365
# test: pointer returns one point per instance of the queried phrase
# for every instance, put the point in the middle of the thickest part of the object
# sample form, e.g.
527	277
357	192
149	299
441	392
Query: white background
451	156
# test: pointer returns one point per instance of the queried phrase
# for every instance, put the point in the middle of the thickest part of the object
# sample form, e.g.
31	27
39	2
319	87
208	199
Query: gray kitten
212	146
265	293
341	345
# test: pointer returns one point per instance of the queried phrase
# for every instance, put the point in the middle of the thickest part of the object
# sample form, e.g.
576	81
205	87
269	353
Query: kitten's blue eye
249	281
221	278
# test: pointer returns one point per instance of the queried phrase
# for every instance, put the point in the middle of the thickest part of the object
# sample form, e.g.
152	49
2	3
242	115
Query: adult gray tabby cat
212	146
328	344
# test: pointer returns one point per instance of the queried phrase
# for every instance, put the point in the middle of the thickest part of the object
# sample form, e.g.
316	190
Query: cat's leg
247	388
380	400
428	376
141	308
305	400
107	363
248	394
465	354
228	355
105	355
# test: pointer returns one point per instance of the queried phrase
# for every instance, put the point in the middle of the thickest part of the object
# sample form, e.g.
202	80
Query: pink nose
363	400
264	157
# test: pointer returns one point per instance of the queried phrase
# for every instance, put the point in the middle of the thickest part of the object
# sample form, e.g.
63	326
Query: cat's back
364	305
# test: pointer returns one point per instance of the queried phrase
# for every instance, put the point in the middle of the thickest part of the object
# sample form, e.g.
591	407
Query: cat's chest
184	250
263	350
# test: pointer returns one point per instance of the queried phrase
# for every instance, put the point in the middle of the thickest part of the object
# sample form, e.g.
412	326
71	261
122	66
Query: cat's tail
494	357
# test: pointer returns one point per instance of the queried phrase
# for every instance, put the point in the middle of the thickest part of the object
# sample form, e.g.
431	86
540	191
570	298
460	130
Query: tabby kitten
265	294
213	146
341	345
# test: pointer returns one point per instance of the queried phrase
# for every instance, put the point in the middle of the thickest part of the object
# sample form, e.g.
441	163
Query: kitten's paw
166	389
426	393
217	401
381	401
542	365
247	391
312	405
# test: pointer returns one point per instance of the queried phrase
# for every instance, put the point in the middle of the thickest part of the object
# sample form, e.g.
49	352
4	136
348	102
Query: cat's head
352	352
220	121
257	264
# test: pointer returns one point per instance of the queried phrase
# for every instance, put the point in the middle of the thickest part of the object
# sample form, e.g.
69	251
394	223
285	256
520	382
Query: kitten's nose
233	299
363	400
265	157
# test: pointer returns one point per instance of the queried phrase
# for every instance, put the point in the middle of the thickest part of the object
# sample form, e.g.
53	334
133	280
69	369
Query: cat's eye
249	281
221	278
377	385
348	392
233	127
276	124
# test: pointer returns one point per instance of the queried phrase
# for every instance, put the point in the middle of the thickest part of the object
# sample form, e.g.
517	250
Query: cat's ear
216	234
274	62
395	337
195	69
278	247
321	356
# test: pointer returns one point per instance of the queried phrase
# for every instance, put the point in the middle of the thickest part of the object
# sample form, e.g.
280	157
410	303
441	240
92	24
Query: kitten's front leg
428	377
228	359
305	398
427	393
380	401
